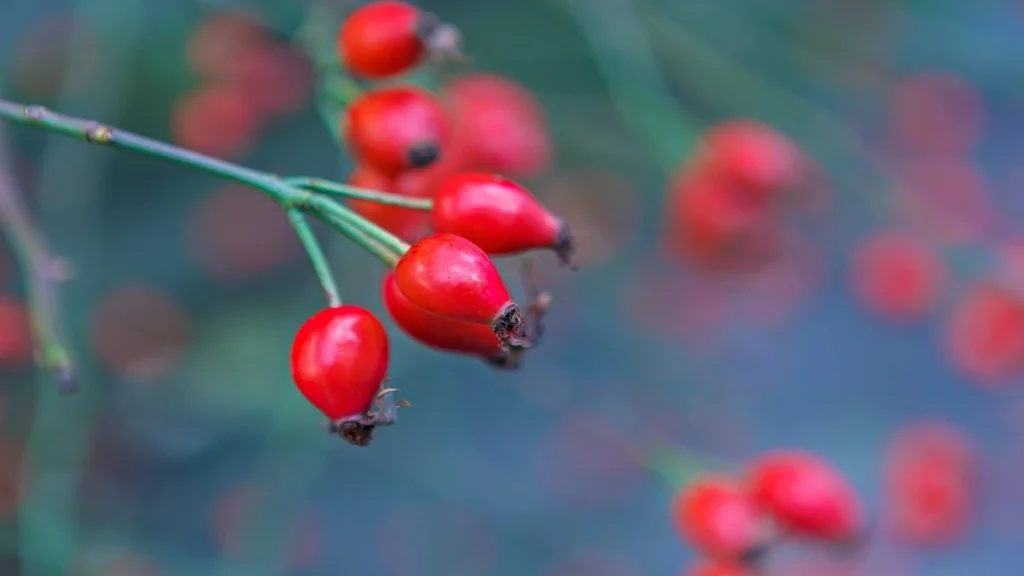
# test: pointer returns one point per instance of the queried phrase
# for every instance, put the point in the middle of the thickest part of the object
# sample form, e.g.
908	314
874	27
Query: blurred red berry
439	332
402	222
139	332
396	129
386	38
712	225
760	161
985	335
713	568
339	360
502	123
15	331
716	516
806	496
935	112
929	483
450	276
219	41
234	233
217	120
498	215
897	276
277	78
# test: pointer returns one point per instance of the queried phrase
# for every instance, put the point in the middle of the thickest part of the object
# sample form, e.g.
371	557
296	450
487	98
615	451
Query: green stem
341	88
346	191
288	195
316	255
41	270
376	249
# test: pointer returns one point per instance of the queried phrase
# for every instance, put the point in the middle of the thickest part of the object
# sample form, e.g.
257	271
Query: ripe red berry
383	39
806	496
897	276
715	515
754	156
502	123
717	569
447	275
929	484
402	222
339	359
498	215
443	333
395	129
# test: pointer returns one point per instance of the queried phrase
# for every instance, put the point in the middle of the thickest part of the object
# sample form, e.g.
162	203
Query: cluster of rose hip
734	521
444	290
728	203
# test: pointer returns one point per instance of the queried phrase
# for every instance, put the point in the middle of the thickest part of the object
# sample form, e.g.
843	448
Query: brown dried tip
565	246
355	432
508	326
443	41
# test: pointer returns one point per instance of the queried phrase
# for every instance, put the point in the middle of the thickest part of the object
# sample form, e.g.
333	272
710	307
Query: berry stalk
316	255
354	193
42	274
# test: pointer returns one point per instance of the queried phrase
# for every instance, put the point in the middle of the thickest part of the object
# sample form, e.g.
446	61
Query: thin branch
42	272
388	257
316	255
286	194
346	191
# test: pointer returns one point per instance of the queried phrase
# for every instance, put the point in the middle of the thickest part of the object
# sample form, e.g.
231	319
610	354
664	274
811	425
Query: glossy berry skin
439	332
716	516
395	129
498	215
806	496
381	39
502	123
449	276
405	223
713	568
339	359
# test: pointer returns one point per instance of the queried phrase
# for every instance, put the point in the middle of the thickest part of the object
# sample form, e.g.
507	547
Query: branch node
35	113
99	134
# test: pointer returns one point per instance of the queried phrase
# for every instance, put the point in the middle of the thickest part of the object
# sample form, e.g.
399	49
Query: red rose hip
715	515
449	276
395	129
498	215
383	39
806	496
447	334
339	359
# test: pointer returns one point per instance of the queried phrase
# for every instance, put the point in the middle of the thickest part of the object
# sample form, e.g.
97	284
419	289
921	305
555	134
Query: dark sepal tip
565	246
423	154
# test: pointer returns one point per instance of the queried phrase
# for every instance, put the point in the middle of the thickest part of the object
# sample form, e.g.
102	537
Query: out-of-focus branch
42	270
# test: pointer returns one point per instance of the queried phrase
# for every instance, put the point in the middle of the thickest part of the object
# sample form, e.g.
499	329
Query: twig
316	255
42	273
346	191
286	194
